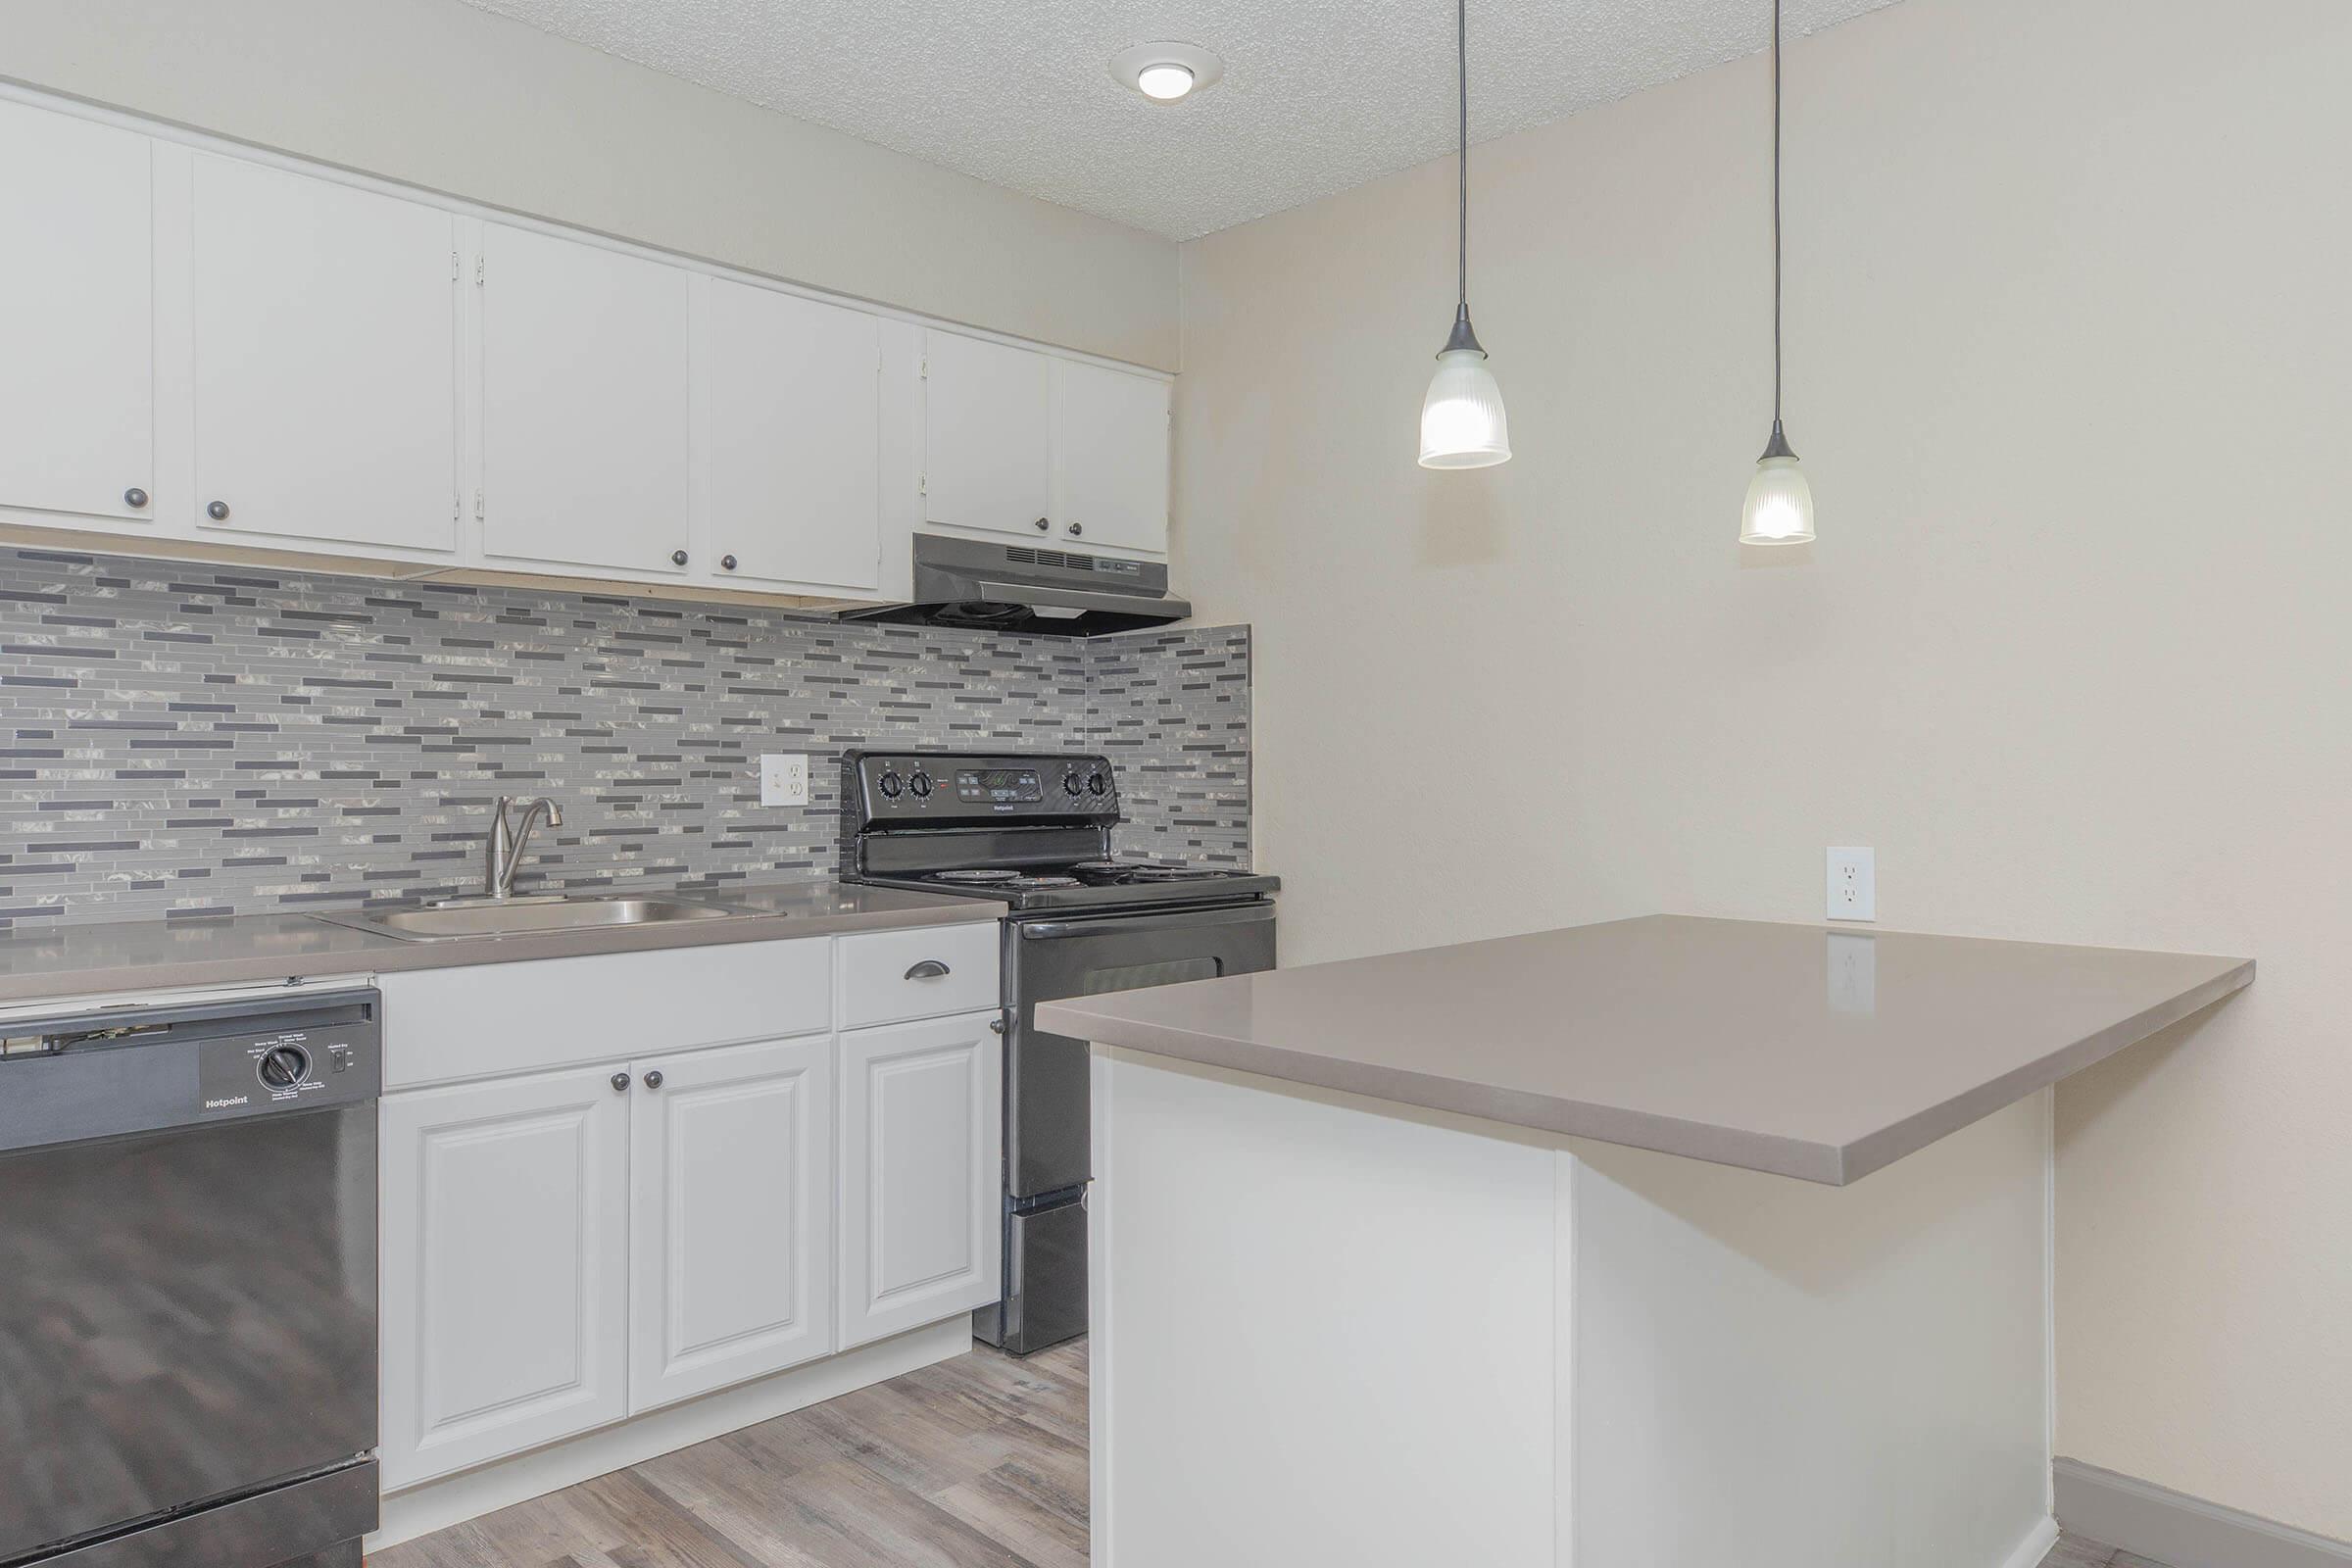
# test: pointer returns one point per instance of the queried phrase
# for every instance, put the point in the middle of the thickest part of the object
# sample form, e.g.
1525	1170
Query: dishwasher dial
284	1066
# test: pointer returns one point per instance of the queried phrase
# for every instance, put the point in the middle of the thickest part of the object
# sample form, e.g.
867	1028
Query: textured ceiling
1319	94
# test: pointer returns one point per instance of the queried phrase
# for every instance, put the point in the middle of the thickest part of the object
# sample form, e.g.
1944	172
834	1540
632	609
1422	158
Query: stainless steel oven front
1047	1133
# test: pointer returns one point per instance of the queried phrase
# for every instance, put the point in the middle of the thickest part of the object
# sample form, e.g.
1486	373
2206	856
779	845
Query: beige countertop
1818	1053
79	961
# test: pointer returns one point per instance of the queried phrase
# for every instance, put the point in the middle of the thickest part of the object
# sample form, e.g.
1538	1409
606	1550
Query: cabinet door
325	339
584	404
1110	442
505	1269
987	435
795	439
731	1217
922	1188
77	315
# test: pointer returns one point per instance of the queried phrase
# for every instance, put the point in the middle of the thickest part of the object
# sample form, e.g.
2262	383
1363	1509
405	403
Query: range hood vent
1019	588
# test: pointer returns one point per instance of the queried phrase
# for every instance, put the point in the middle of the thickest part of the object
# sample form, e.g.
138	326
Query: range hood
1033	590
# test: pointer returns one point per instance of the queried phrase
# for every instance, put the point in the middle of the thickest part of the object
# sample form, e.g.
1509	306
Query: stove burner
1128	873
976	875
1041	882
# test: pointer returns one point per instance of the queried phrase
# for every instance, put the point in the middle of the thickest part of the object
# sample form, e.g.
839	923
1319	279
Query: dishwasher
188	1280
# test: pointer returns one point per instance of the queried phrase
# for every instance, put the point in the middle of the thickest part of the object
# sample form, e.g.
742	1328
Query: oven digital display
998	784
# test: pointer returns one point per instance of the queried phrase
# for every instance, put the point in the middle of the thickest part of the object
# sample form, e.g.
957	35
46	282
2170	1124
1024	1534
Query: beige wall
439	94
2070	366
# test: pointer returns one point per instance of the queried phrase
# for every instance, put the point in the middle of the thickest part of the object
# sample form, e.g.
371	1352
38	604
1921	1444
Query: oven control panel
905	788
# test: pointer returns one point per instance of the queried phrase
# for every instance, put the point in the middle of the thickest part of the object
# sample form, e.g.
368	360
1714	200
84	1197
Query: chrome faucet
503	850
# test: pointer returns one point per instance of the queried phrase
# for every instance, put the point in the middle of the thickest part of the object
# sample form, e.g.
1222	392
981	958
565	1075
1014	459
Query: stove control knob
1097	783
920	784
284	1066
888	782
1071	784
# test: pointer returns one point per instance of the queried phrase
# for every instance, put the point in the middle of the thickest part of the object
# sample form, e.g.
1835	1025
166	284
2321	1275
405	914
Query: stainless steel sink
505	918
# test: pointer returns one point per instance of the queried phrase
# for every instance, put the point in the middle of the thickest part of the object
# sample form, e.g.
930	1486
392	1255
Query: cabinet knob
653	1080
677	558
727	563
1043	525
927	969
621	1083
218	512
135	498
996	1025
1075	530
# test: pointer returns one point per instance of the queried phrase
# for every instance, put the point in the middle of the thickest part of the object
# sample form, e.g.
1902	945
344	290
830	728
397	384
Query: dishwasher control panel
109	1070
315	1062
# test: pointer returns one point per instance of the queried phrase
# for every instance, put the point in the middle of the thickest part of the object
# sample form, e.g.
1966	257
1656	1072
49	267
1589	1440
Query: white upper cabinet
988	457
325	329
794	459
586	449
731	1217
1110	444
77	317
1051	450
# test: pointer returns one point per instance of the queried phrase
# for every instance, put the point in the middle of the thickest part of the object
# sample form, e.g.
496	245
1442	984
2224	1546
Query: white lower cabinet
921	1150
505	1258
622	1204
730	1216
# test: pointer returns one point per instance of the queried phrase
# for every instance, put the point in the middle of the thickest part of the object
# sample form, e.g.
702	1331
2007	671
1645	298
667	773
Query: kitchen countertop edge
1107	1021
119	957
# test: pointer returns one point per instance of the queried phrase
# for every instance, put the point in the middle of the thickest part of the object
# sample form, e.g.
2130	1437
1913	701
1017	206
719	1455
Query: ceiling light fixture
1780	503
1462	423
1166	73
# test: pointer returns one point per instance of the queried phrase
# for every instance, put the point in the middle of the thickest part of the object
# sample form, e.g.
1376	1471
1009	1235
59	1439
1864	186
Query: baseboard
2036	1547
2175	1528
469	1495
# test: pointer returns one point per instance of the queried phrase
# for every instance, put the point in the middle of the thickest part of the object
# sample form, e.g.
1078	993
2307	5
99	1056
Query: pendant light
1780	504
1462	423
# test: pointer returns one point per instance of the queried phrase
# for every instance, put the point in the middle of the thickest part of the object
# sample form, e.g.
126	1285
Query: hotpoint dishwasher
187	1281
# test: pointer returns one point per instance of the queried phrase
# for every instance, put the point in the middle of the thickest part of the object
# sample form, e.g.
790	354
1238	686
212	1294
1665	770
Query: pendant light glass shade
1462	423
1780	505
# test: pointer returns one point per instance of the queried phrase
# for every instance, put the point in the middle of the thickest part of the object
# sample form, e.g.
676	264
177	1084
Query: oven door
1050	958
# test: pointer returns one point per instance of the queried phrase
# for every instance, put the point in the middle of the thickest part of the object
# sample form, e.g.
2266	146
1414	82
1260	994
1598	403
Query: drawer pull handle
928	969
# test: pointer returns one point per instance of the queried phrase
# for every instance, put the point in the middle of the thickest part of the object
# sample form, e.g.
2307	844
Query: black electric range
1033	830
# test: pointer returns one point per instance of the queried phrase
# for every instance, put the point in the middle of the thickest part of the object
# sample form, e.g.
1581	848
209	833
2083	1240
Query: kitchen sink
508	918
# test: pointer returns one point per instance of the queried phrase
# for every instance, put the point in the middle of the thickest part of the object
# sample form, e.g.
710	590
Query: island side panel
1783	1374
1322	1333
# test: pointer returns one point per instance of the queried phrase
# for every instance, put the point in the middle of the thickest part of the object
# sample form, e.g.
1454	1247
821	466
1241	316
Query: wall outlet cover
784	778
1853	884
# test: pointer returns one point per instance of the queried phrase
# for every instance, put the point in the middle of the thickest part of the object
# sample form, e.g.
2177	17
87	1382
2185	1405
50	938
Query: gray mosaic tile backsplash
180	740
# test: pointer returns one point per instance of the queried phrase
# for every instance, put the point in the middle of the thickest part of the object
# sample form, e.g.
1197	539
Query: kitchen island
1656	1243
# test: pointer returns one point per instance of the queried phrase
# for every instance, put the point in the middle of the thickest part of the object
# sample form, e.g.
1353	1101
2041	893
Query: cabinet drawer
888	976
487	1019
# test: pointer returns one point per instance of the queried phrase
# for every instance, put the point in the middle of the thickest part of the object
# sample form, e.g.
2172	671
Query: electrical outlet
784	778
1853	884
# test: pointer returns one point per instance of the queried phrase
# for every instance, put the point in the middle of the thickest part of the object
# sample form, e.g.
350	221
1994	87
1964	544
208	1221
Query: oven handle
1145	924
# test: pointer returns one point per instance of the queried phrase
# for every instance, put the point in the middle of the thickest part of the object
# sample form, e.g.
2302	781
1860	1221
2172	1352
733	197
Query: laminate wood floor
979	1462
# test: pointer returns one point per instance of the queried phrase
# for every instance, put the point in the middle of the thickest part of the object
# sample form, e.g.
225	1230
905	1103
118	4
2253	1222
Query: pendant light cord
1775	215
1461	70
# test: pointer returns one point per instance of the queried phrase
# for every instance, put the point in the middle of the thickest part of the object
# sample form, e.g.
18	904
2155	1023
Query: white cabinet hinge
453	265
922	484
926	370
478	504
478	267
